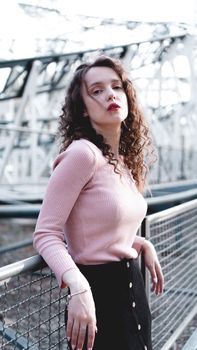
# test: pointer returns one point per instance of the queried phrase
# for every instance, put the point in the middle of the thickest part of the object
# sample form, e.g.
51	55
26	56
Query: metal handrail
16	245
19	210
31	264
170	212
32	210
27	130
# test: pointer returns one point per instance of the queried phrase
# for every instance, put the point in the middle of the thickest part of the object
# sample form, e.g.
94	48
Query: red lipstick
113	107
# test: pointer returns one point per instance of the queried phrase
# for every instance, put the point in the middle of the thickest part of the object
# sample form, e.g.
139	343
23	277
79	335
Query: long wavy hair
135	145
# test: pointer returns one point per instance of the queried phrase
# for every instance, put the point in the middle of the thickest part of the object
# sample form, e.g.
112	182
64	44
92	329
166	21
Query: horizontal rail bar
184	195
168	213
26	210
14	246
174	184
32	210
33	263
26	130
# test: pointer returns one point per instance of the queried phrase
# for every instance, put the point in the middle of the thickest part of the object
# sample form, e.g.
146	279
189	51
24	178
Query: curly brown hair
135	146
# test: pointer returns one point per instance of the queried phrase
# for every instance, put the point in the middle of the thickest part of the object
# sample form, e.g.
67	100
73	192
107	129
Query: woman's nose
110	94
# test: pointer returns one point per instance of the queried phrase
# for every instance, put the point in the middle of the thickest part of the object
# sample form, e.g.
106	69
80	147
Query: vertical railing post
145	232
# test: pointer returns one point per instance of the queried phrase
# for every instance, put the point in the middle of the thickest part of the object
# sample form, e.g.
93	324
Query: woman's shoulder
81	150
88	144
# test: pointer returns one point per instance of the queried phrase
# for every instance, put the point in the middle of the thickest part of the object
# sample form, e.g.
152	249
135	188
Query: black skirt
122	311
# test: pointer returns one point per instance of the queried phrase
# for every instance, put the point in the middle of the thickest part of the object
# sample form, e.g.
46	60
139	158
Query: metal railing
32	305
174	235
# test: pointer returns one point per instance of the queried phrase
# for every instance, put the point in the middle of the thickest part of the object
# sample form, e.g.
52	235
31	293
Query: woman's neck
112	138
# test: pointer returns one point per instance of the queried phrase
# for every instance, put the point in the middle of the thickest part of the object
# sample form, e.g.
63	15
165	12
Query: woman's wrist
146	244
75	281
71	295
138	244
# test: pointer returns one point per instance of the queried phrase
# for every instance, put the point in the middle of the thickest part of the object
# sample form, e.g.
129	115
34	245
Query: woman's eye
117	87
97	92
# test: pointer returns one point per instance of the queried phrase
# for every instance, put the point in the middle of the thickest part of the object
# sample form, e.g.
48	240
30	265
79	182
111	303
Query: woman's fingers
69	328
157	278
77	333
152	263
154	278
74	334
81	336
91	336
160	284
81	322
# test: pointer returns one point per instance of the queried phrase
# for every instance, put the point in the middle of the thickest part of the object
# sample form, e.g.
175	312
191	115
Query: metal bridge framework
32	91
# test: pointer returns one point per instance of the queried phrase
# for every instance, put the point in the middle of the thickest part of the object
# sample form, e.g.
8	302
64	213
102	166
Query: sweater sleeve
72	170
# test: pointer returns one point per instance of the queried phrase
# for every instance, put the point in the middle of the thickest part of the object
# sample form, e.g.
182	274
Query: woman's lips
113	107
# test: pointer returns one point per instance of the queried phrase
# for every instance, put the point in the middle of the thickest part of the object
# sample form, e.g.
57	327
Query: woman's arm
81	310
73	169
151	262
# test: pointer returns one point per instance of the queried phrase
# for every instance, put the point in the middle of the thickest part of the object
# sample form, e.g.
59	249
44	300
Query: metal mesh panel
174	235
32	312
32	305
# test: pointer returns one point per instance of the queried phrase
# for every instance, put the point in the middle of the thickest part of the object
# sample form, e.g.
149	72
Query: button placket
133	305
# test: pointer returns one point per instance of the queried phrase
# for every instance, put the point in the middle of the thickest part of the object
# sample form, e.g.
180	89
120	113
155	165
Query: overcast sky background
14	24
141	10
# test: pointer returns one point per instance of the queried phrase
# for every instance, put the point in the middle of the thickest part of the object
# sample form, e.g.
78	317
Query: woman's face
104	98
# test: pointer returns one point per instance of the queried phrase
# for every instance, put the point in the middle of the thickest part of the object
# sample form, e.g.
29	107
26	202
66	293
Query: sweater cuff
59	262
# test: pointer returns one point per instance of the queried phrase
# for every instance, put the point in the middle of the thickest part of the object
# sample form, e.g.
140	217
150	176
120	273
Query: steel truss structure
164	71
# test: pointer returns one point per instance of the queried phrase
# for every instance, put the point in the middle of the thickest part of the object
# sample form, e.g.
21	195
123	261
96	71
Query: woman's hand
81	323
153	265
81	320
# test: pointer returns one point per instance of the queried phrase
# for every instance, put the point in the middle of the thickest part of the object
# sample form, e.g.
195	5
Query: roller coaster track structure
164	71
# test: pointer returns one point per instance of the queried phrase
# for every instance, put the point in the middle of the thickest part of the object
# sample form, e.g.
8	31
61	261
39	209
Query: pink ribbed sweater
89	206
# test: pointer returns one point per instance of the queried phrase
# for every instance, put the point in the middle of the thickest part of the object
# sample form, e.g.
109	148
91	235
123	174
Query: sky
14	24
134	10
139	10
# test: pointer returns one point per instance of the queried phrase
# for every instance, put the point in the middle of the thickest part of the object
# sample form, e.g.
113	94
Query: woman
94	202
